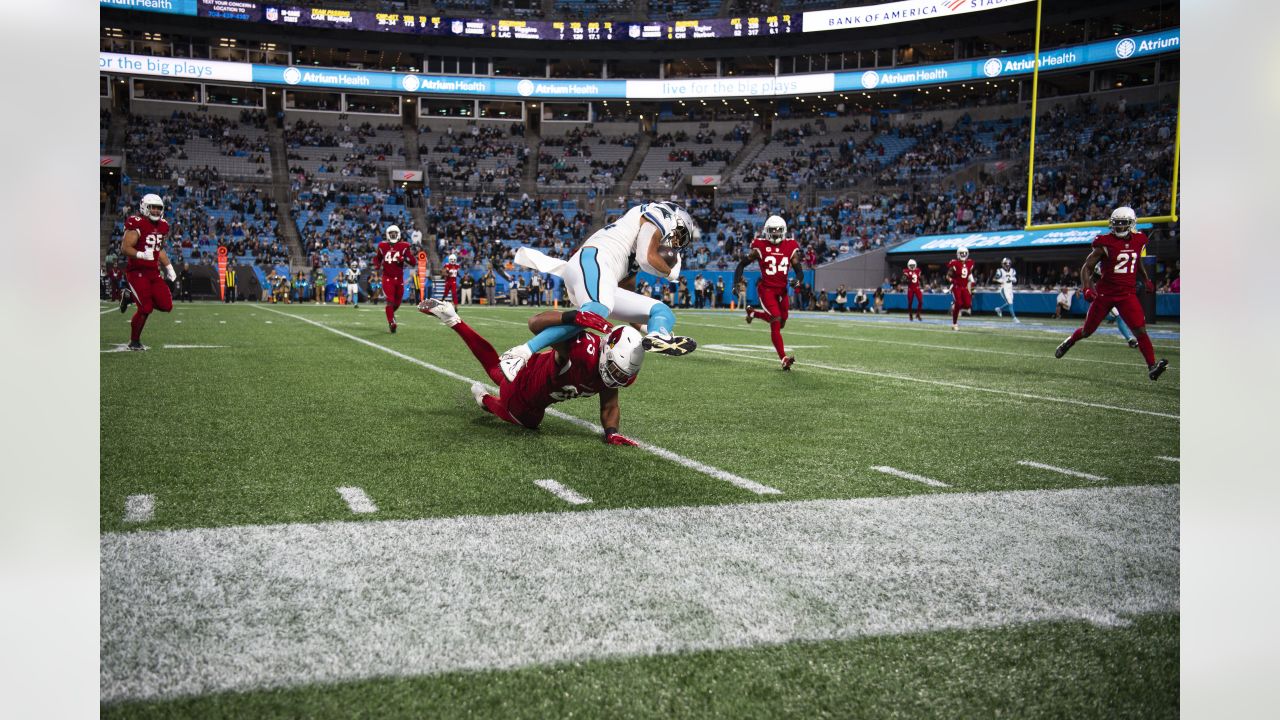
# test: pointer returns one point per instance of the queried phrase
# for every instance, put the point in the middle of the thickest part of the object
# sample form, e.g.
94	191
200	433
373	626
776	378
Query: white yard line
192	612
104	312
1166	458
940	383
908	476
1048	355
717	473
191	347
561	491
1064	471
357	500
139	508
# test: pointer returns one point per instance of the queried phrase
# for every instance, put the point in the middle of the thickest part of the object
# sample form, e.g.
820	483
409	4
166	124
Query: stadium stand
182	142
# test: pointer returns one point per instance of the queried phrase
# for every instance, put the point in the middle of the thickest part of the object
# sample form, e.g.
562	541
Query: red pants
394	290
150	291
1128	306
776	302
915	294
451	291
963	298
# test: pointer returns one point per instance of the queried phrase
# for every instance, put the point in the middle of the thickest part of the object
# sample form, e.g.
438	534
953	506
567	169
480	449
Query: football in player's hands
620	439
668	255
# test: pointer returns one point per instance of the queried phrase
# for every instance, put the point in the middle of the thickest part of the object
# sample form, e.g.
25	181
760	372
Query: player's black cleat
750	315
676	345
137	345
126	297
1155	371
788	361
393	327
1063	348
1133	342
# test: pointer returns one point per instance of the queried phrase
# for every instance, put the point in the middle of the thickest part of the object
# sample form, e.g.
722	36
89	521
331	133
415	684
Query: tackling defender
960	274
1120	252
393	256
594	274
914	291
142	270
1007	277
775	252
580	365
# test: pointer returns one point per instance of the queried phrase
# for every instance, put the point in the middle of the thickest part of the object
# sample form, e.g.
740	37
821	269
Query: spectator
1064	302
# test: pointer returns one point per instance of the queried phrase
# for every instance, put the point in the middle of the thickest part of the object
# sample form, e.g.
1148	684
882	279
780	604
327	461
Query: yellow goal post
1031	162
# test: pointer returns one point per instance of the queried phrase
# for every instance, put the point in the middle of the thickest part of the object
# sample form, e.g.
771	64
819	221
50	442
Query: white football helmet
1123	220
684	230
393	233
911	264
152	207
1006	263
962	253
775	229
623	352
452	258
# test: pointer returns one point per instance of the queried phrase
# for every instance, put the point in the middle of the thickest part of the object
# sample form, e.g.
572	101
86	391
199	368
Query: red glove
1089	294
591	321
619	439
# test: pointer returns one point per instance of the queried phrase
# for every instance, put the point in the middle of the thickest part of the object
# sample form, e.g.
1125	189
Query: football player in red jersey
451	269
143	245
393	256
775	252
1120	253
580	366
914	292
960	275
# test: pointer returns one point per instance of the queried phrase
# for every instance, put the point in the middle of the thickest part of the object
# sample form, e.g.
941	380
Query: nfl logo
456	26
273	14
634	31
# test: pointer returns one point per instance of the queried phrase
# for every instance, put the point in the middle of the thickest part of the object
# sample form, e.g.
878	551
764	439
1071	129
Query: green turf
1051	670
264	429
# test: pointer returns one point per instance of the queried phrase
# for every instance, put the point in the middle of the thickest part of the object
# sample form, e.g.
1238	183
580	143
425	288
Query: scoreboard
434	25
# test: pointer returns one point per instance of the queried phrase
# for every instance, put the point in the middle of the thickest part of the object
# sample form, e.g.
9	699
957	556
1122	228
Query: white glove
674	275
146	254
170	273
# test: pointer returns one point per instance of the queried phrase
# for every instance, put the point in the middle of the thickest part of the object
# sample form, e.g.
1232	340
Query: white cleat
954	326
999	313
478	392
513	360
444	311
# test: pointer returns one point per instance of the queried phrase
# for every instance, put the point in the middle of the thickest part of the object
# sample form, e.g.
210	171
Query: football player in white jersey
353	285
1006	278
593	274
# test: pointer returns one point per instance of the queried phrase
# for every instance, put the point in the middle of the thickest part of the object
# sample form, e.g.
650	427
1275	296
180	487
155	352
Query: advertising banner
896	12
406	176
1002	239
704	180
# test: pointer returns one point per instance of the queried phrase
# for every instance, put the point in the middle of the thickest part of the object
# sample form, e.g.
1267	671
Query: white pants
353	291
1006	292
590	278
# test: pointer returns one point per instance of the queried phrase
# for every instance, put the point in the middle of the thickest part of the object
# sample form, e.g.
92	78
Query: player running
775	252
914	291
393	256
960	275
143	245
353	285
451	269
1006	278
593	276
1120	252
580	365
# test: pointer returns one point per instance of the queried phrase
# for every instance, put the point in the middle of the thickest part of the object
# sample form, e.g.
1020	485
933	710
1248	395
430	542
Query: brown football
668	255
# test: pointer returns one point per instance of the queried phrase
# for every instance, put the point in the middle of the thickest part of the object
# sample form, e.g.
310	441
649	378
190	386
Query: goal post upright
1172	217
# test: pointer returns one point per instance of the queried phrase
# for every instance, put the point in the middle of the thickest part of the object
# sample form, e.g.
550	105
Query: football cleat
1062	348
999	312
137	345
392	325
513	361
674	345
788	361
955	326
126	297
750	315
478	392
1133	342
1155	371
440	309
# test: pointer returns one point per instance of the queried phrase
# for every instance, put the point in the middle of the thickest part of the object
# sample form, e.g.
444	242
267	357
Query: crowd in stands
339	224
153	143
355	149
558	164
476	157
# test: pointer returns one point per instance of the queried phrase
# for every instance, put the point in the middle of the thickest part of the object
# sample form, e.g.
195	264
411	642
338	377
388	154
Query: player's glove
586	319
612	437
1090	294
795	282
170	273
146	254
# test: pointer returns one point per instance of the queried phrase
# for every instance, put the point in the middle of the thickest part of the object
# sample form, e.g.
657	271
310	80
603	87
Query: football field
304	515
